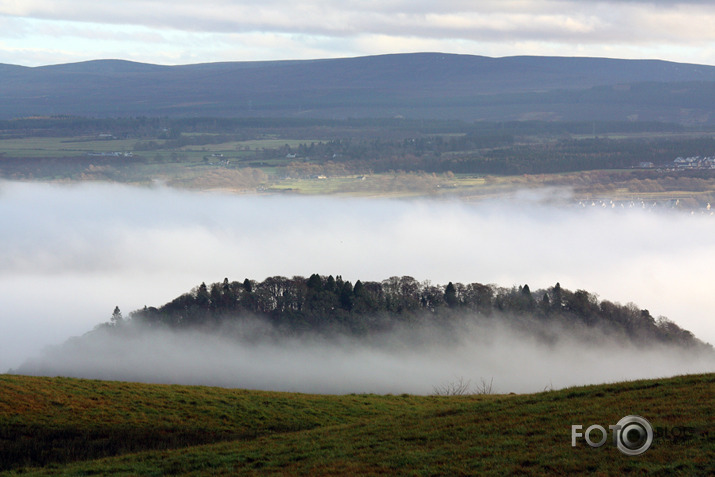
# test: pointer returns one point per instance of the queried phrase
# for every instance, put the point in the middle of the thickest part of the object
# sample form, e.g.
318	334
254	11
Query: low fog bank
414	359
69	254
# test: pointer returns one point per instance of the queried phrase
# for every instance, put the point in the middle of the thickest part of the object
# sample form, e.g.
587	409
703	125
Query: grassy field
74	146
60	426
61	147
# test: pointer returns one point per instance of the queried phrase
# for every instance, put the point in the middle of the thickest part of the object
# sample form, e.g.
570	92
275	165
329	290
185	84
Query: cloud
480	20
415	360
500	27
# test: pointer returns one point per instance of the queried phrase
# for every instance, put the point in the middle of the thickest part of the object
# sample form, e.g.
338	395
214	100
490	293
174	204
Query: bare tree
460	387
484	387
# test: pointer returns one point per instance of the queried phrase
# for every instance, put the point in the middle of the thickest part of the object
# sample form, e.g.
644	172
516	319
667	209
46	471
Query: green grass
157	430
61	147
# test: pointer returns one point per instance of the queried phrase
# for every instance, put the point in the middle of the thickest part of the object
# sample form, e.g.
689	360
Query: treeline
332	304
569	155
497	153
72	167
382	145
164	127
58	126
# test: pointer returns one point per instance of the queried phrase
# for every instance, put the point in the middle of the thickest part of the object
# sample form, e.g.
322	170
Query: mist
70	253
420	358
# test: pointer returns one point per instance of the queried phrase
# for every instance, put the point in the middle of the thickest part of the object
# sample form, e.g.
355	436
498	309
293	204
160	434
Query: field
62	426
385	159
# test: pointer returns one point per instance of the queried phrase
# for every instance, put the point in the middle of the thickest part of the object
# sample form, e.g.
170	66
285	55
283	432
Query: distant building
111	154
694	162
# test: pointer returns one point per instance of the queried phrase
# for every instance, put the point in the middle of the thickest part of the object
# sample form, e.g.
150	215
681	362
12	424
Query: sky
69	254
42	32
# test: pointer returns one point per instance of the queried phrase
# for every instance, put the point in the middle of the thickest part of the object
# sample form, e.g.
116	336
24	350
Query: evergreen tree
203	298
346	296
359	288
545	303
330	284
315	283
557	300
450	295
117	318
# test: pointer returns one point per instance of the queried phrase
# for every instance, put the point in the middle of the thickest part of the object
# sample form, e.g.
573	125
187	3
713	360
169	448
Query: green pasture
61	426
61	147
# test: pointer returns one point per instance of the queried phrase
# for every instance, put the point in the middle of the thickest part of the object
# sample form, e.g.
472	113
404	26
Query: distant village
683	163
696	162
111	154
642	204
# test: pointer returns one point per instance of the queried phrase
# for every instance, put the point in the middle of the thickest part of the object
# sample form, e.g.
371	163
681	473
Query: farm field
364	161
60	147
61	426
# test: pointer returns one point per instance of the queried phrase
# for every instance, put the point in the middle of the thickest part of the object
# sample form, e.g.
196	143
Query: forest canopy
328	304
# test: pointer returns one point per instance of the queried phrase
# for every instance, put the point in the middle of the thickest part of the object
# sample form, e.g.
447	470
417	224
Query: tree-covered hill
325	334
327	304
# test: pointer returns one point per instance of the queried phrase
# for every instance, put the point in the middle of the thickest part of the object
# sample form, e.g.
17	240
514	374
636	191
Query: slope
406	435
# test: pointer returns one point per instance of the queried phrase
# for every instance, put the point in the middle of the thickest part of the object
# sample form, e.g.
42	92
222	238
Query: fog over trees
101	253
328	304
326	334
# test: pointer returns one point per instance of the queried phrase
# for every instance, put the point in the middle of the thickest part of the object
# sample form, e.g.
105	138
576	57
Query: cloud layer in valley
70	254
421	359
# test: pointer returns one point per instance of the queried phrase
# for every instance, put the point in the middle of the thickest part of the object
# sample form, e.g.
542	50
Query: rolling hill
424	85
61	426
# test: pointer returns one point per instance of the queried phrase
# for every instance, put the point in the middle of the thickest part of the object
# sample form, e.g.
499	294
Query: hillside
426	85
67	425
324	335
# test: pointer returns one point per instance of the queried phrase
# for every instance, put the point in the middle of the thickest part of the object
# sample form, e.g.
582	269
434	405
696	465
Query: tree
346	296
117	318
545	304
409	293
527	300
359	288
431	297
450	295
203	298
330	284
557	299
315	283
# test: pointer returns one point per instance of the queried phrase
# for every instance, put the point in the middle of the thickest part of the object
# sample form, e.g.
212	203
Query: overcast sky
40	32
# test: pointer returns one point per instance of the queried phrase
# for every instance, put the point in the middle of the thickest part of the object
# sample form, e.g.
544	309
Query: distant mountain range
421	85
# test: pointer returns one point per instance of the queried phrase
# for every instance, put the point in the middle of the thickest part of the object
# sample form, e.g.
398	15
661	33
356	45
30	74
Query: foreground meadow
61	426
